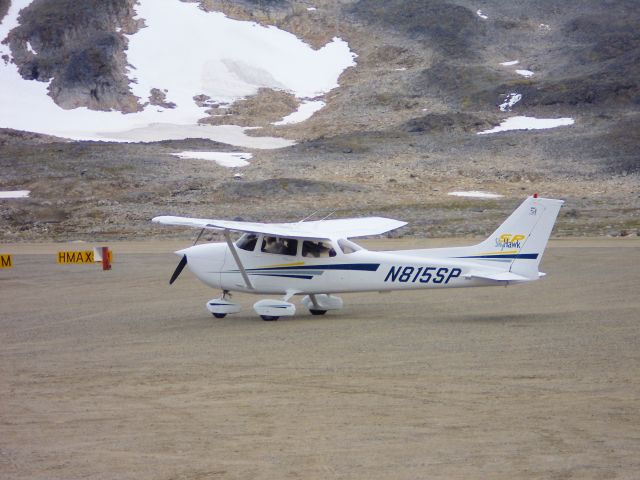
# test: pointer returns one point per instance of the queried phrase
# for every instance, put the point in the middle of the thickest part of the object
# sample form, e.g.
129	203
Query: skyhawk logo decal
506	240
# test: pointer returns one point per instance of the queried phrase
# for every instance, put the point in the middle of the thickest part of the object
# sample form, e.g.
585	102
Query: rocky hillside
80	48
398	134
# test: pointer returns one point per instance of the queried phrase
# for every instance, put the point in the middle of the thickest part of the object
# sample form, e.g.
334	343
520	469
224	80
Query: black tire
317	312
219	315
269	318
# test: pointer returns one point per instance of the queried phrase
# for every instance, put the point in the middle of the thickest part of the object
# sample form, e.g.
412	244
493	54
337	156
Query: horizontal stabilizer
498	276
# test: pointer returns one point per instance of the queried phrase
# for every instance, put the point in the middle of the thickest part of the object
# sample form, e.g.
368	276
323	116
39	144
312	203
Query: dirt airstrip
116	375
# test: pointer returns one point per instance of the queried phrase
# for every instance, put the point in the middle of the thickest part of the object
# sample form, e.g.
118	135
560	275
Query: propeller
179	268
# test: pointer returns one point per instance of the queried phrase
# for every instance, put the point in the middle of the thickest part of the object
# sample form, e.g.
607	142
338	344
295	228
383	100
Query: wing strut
232	247
199	235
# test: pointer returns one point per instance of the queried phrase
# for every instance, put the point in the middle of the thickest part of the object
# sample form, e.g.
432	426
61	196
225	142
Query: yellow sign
83	256
5	260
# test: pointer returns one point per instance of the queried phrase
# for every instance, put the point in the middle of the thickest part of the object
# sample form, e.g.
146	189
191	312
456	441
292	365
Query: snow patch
401	69
475	194
229	134
15	194
10	21
311	9
304	112
224	159
239	58
510	101
30	49
202	53
529	123
544	26
481	15
525	73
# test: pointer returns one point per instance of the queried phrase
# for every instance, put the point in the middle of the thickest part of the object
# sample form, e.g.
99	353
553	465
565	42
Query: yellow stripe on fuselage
295	264
504	252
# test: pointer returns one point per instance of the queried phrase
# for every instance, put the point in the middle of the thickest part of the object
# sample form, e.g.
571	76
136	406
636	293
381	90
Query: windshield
348	246
247	242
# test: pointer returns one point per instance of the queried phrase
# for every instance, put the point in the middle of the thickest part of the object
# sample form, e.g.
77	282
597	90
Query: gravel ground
117	375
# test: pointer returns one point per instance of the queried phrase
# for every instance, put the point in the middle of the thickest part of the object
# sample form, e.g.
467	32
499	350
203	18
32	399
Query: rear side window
280	246
248	242
317	249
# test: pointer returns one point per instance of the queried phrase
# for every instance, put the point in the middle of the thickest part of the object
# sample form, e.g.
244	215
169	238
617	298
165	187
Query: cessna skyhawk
317	259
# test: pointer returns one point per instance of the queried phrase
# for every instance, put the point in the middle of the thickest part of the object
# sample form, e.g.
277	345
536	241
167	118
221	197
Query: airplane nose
205	261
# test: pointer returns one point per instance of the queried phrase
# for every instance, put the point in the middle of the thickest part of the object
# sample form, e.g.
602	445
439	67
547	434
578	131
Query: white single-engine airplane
316	259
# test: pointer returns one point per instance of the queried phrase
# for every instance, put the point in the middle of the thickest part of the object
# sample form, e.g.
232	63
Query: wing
322	229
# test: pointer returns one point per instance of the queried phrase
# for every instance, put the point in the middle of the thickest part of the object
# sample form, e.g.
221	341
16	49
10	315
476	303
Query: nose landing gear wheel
269	318
223	306
317	312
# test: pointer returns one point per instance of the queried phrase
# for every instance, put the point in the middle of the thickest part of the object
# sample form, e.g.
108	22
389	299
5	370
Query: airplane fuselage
358	271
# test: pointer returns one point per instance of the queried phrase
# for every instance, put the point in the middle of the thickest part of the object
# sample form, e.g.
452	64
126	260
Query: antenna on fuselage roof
327	216
308	216
317	211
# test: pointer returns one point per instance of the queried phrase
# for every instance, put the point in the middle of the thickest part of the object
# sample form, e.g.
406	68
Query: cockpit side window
348	247
280	246
317	249
247	242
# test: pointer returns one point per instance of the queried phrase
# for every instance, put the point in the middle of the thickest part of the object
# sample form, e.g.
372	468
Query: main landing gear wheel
270	310
219	315
321	303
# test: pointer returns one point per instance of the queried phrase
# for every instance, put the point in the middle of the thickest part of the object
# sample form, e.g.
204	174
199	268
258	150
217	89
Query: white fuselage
358	271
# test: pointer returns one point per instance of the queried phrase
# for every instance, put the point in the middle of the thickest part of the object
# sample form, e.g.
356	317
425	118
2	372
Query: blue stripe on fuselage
367	267
307	272
519	256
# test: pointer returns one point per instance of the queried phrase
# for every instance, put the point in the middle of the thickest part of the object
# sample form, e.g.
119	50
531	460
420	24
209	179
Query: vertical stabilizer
520	241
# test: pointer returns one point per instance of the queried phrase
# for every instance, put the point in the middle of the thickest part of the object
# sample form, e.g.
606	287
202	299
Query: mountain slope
401	128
